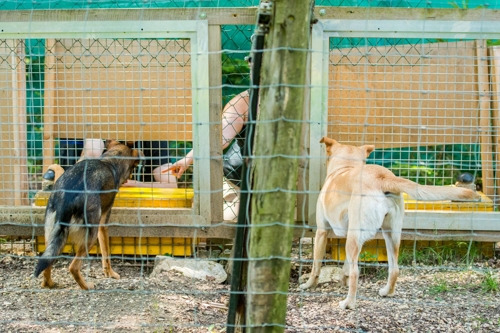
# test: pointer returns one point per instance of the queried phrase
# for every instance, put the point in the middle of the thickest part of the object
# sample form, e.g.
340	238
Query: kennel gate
371	67
103	80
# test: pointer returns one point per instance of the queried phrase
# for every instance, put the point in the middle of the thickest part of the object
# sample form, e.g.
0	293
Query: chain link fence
164	87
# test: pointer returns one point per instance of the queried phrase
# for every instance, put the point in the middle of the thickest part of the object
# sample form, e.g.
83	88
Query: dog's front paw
347	304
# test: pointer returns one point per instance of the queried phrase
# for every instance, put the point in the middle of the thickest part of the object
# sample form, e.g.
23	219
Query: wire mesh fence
428	104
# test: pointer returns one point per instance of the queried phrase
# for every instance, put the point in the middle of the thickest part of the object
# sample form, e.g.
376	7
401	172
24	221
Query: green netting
67	4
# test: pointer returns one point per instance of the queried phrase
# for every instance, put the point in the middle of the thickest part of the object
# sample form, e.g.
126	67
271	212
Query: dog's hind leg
105	252
76	266
84	240
392	246
47	278
319	253
391	230
352	249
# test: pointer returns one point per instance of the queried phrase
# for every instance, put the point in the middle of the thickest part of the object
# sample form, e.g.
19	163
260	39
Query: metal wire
416	99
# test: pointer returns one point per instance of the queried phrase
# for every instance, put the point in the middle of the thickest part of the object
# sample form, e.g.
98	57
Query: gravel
450	298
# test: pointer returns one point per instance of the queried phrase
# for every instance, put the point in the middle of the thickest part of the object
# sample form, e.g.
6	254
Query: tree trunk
277	154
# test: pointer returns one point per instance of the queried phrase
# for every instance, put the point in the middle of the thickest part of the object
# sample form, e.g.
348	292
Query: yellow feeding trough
145	246
142	197
139	197
374	250
485	205
154	197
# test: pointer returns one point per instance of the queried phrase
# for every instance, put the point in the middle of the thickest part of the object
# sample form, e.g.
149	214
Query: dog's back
82	185
355	177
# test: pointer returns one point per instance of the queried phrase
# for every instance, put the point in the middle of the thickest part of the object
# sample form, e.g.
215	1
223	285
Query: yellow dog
359	199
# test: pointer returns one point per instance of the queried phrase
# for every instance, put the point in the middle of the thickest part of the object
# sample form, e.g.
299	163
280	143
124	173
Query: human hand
179	167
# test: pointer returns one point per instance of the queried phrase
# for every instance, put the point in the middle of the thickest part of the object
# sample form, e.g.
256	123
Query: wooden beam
19	160
485	118
27	221
215	97
495	114
277	145
48	152
245	16
385	13
217	16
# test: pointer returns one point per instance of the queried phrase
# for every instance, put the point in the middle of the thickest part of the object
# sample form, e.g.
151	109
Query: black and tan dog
80	206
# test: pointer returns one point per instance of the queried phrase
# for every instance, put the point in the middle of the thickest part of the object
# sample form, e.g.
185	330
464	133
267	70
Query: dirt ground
428	299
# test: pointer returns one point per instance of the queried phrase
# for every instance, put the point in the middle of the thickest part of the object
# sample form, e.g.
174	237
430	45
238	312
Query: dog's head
346	154
54	171
117	149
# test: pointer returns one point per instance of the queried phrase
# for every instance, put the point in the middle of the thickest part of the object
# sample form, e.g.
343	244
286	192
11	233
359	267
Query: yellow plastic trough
145	246
141	197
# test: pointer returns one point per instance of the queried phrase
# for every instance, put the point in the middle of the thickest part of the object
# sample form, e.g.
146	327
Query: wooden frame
56	118
13	120
378	23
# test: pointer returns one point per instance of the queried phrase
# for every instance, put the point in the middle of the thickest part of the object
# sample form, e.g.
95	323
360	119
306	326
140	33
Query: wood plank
215	77
452	220
20	161
421	225
123	89
485	118
495	115
13	152
49	105
215	16
124	222
402	96
395	13
246	16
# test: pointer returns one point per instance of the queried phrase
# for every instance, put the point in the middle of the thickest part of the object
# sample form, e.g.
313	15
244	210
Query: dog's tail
57	240
429	193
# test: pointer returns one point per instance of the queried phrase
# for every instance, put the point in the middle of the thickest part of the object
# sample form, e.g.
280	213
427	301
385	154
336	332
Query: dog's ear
327	141
54	171
110	143
130	144
368	149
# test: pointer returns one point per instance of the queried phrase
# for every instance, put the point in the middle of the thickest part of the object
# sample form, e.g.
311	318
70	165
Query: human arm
234	117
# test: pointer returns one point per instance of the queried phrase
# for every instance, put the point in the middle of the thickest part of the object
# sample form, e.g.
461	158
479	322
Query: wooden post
49	103
485	118
495	74
19	124
215	68
276	161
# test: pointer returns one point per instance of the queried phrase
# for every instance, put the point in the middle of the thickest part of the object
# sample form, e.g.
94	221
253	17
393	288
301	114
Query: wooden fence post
485	118
276	160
